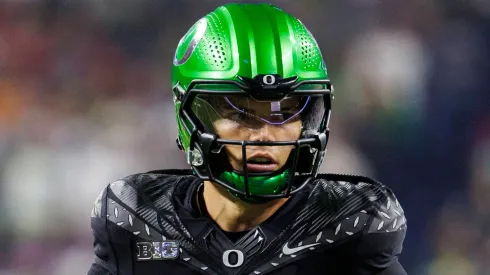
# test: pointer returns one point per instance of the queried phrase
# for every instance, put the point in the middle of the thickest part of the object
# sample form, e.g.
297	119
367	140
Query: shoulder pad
387	213
336	199
343	209
133	201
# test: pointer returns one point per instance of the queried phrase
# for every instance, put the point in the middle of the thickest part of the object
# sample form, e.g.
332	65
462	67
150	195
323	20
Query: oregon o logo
239	258
269	79
190	40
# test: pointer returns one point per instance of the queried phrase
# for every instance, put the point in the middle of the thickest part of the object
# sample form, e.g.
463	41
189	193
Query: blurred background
85	99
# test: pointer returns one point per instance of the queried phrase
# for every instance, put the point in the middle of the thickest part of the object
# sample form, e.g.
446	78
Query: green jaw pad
258	185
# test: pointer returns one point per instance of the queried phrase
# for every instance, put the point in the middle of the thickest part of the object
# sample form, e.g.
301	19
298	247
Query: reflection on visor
240	113
276	112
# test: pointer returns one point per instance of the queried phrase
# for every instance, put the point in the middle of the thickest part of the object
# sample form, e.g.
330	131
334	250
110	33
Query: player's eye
244	118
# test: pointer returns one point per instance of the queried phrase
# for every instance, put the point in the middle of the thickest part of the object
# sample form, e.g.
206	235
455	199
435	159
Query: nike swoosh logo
288	251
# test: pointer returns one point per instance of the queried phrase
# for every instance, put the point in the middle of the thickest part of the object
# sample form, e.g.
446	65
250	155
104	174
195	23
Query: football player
252	100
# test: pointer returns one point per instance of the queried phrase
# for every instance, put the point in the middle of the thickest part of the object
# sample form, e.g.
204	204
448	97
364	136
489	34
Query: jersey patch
166	250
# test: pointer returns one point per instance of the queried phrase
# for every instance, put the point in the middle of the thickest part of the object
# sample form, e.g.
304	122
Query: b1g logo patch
150	251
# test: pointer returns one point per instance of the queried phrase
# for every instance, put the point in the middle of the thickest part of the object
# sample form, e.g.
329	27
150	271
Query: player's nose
263	133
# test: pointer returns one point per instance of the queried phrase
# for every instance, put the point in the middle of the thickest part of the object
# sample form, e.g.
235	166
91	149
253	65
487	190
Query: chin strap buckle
194	157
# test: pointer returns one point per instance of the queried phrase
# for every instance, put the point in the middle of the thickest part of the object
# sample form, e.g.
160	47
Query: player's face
251	120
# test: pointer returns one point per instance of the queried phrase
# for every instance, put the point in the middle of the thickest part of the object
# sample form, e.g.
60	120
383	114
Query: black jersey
147	224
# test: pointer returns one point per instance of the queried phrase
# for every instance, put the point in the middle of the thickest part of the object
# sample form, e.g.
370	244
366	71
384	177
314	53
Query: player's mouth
262	162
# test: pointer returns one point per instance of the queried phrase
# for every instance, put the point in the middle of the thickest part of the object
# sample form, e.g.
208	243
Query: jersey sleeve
382	241
104	259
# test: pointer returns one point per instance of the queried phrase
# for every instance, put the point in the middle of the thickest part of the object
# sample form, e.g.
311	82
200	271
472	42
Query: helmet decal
193	36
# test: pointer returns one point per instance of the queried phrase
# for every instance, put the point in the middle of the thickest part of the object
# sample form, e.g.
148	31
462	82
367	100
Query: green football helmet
256	66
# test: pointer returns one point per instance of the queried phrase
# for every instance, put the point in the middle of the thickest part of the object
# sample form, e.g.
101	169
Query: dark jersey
147	224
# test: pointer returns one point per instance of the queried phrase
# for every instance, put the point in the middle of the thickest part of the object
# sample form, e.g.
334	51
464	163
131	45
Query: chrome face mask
209	106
